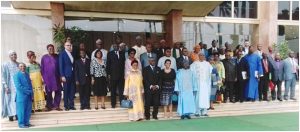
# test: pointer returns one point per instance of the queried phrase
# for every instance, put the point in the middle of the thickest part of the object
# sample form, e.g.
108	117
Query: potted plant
58	36
282	48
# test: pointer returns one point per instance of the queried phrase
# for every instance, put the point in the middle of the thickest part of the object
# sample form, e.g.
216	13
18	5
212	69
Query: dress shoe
81	108
182	117
30	125
155	118
293	99
280	99
266	100
89	108
66	109
11	118
187	116
23	126
197	115
232	101
205	115
59	109
147	118
241	101
73	108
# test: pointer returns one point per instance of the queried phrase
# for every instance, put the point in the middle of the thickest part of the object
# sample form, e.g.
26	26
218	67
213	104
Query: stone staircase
118	115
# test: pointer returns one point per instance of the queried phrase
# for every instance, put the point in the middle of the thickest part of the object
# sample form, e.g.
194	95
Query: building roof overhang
189	8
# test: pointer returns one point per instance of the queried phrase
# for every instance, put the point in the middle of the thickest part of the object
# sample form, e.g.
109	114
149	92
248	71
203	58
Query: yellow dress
134	89
39	102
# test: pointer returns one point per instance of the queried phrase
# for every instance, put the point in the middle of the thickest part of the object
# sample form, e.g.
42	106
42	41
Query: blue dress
23	98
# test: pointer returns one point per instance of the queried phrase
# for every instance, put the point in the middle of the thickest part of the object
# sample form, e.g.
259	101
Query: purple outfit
51	77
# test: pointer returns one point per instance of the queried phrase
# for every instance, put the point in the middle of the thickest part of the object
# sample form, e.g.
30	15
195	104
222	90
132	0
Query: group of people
146	75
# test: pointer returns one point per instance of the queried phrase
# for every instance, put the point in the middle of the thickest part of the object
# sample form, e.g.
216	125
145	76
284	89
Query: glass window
295	10
233	33
245	9
291	34
223	10
23	33
283	10
5	3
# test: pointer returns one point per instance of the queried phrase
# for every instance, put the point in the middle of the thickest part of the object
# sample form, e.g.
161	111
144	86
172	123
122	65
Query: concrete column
267	23
57	13
174	27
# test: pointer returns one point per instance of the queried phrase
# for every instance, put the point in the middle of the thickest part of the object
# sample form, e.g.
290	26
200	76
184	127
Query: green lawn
262	122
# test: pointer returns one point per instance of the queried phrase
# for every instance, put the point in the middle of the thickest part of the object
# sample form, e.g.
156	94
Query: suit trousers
239	93
229	91
24	112
84	95
69	92
278	92
290	86
263	87
116	85
151	97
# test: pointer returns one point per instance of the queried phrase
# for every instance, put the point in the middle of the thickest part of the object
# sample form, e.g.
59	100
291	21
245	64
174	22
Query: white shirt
139	51
104	54
70	55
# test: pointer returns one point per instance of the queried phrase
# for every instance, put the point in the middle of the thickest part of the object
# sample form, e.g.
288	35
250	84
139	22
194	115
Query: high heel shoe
96	108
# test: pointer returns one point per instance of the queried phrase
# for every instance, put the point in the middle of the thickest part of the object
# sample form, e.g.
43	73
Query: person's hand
93	82
77	82
63	79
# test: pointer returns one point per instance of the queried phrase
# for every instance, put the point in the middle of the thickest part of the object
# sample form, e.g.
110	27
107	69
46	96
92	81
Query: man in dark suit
160	49
183	58
83	79
66	71
264	80
144	58
214	48
115	70
242	76
151	80
277	77
230	76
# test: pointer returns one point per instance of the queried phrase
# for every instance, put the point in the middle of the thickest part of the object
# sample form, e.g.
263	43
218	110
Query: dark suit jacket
270	68
151	77
159	52
242	65
277	73
65	65
82	71
230	66
210	51
180	60
115	66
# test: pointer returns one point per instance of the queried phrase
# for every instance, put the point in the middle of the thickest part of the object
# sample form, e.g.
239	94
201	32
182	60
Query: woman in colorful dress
168	77
134	90
34	71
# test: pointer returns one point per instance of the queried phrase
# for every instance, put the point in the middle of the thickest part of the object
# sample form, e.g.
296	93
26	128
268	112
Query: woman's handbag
174	98
126	104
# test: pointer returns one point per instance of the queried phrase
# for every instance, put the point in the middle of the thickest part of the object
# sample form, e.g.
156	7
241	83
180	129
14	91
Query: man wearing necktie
176	50
183	58
115	70
290	76
83	80
264	80
277	77
213	49
151	81
144	58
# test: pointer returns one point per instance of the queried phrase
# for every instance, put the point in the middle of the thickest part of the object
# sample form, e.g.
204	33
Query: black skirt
100	86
